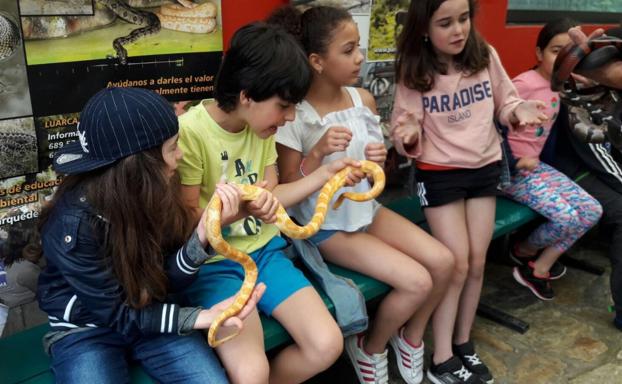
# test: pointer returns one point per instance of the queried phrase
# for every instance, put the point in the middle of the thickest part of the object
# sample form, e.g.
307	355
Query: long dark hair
144	217
313	28
416	62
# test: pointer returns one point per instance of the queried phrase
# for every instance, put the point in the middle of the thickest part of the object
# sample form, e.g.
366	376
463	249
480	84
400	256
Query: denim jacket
79	290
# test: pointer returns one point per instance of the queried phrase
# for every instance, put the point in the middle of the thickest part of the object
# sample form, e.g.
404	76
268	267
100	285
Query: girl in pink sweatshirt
569	209
451	86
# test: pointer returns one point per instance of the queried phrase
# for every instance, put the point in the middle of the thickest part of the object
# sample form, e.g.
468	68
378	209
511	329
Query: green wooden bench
22	359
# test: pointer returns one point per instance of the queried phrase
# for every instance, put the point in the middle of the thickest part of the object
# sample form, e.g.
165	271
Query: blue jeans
102	355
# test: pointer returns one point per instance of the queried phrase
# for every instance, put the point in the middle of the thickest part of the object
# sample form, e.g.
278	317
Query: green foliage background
382	29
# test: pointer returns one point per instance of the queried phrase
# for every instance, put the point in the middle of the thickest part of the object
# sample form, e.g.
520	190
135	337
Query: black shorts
436	188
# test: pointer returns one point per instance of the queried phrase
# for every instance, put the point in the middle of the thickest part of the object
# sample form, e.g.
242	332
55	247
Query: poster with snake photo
14	92
122	29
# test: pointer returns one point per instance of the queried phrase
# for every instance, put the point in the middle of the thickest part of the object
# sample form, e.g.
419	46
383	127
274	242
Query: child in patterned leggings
569	209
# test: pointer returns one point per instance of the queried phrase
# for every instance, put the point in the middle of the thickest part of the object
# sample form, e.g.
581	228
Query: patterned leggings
570	210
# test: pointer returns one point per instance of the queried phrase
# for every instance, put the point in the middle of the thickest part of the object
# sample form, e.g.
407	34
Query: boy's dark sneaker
541	287
557	269
470	359
451	371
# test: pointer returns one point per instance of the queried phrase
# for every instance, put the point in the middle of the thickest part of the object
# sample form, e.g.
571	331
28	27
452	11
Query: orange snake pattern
286	225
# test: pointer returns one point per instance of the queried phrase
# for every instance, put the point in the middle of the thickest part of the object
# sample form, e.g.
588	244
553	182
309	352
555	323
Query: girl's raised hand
406	131
376	152
335	139
264	206
530	112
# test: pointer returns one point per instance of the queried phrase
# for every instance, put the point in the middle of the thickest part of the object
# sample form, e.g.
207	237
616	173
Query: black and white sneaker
451	371
541	287
557	269
470	359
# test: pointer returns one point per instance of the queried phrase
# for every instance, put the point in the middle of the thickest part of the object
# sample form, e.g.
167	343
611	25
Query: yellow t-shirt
208	152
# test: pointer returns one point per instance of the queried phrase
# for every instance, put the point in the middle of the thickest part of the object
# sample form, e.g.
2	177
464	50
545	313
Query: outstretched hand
406	130
207	316
530	112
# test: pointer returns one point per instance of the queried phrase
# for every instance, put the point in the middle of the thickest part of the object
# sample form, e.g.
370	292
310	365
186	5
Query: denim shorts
325	234
222	279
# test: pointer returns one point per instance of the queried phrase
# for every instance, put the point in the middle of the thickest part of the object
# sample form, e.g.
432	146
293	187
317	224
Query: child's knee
442	266
476	268
461	269
325	348
251	370
422	285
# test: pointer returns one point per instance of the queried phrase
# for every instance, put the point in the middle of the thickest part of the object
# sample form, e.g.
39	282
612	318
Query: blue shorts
222	279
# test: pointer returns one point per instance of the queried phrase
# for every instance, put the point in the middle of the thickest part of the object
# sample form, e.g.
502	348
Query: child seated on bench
115	237
336	120
570	211
263	75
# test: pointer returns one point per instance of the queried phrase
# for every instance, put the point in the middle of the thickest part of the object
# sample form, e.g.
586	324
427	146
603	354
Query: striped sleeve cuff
190	257
169	318
187	318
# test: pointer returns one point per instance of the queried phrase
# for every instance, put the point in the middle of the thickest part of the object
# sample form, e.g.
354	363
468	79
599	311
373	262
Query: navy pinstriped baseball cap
116	123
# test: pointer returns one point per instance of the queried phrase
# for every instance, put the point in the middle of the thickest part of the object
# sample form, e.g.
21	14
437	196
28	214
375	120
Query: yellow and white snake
286	225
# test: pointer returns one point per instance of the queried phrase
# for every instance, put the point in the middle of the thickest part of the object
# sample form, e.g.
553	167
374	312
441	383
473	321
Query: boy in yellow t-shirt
263	75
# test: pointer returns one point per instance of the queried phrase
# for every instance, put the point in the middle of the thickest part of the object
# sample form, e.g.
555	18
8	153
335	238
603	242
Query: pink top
457	116
529	142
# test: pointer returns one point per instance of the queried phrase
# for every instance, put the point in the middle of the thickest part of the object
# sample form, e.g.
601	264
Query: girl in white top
337	121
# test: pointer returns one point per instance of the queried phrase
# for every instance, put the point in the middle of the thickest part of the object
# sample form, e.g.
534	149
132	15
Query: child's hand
527	163
354	177
230	196
335	139
376	152
207	316
529	113
264	206
407	130
578	37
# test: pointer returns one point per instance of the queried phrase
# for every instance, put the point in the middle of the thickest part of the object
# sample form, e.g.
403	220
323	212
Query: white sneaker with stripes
409	358
370	369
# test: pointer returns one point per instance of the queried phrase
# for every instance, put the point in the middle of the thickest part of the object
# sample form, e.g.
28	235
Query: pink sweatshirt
457	116
529	142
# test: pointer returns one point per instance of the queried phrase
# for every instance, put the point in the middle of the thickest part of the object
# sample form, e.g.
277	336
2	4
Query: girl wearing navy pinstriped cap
118	245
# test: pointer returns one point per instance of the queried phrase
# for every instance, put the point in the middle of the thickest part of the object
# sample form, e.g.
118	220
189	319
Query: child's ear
316	63
539	54
244	99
